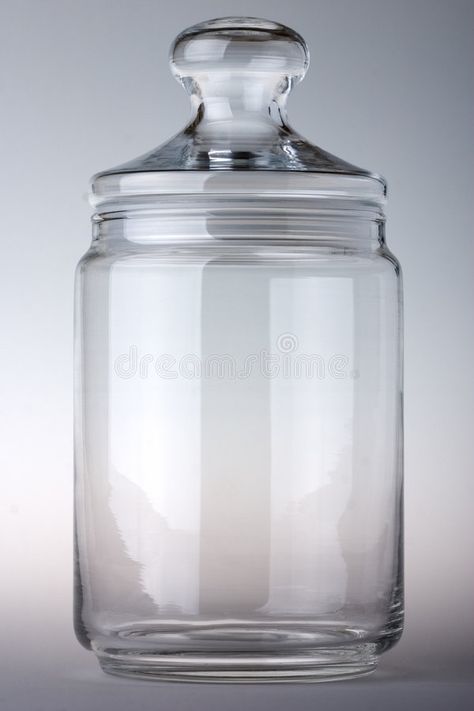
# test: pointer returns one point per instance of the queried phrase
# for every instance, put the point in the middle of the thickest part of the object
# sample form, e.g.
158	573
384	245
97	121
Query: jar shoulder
252	255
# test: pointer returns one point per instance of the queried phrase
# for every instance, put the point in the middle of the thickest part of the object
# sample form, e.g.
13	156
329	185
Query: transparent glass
238	415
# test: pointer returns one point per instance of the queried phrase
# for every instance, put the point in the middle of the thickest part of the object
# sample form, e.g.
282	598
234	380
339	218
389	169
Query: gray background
85	85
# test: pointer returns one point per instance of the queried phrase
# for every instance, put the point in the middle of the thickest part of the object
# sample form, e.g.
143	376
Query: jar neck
292	222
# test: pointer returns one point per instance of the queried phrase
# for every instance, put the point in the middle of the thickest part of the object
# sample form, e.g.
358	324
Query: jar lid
238	72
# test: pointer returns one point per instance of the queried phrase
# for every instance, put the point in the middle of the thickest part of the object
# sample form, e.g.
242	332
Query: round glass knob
242	52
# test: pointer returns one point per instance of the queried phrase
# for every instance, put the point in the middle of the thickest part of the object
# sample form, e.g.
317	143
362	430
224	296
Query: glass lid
238	72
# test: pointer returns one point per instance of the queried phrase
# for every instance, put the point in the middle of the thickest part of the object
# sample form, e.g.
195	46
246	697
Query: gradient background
85	85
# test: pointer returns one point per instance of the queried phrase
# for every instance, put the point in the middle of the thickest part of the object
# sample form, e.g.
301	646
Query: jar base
311	666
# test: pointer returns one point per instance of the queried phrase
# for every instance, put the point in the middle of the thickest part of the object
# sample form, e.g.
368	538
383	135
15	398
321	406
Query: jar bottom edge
317	666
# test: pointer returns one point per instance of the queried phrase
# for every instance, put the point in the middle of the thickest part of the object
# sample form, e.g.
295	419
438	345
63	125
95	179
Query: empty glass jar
238	399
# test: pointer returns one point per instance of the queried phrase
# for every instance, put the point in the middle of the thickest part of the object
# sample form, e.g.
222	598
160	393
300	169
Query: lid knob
250	61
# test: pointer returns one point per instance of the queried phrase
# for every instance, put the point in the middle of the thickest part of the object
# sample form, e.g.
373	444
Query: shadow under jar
238	391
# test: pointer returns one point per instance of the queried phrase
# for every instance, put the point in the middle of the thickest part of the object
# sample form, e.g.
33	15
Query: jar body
238	463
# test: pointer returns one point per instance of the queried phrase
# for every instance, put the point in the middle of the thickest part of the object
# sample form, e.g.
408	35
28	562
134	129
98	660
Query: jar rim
112	192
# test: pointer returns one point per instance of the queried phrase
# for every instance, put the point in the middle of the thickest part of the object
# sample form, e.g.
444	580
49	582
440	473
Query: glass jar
238	392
